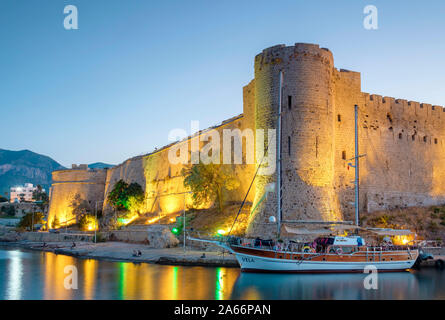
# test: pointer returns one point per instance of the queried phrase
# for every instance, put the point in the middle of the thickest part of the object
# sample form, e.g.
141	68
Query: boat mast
278	167
356	166
356	157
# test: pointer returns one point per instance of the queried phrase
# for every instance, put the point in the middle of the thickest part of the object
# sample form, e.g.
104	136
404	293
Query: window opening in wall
343	155
413	137
288	145
289	102
400	136
339	118
316	147
435	140
424	139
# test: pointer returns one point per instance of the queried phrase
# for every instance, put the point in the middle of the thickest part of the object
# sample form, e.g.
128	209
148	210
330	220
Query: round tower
307	132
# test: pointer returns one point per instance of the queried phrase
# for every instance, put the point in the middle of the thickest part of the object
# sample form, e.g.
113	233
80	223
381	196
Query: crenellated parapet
403	143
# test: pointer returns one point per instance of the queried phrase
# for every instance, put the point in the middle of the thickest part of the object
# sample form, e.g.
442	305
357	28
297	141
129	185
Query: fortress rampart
404	143
89	184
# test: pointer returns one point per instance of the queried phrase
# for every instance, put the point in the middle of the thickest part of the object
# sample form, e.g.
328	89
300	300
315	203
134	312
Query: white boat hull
264	264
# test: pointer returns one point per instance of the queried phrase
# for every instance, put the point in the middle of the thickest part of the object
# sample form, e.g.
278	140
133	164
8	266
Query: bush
126	196
55	223
100	237
88	223
9	210
433	226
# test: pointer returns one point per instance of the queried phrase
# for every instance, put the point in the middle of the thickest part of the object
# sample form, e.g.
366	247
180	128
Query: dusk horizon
222	158
116	101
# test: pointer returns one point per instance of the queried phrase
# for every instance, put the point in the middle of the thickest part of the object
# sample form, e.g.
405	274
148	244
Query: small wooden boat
324	255
340	254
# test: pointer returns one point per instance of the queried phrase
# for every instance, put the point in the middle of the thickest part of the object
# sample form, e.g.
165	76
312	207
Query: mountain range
25	166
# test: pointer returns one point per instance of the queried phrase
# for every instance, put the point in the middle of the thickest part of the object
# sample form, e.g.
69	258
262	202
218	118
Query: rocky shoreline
121	251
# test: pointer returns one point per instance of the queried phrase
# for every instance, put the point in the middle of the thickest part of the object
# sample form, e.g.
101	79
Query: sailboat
326	253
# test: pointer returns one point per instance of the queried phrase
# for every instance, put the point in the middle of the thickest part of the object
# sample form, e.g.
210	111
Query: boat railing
294	246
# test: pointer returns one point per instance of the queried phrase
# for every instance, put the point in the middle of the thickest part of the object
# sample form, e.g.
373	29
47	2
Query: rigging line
251	183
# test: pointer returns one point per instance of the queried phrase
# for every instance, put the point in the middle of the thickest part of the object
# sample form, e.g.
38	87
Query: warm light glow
222	232
153	220
125	221
172	219
402	240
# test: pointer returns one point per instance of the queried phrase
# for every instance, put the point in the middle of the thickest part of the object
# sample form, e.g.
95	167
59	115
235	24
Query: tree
125	197
55	223
30	219
208	182
8	209
80	207
40	195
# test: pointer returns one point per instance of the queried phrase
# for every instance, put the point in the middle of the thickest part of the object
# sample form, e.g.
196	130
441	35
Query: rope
248	190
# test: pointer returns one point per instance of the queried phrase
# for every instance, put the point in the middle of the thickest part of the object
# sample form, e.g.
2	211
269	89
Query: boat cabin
338	244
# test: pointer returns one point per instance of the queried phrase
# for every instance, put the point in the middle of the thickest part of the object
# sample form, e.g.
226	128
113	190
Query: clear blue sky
136	69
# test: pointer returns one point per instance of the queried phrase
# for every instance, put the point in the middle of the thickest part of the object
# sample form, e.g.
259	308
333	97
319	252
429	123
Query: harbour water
38	275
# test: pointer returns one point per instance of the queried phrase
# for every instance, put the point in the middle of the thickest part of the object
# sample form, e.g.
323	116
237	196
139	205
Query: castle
403	142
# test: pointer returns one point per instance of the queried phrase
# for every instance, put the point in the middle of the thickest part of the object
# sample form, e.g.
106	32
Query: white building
22	193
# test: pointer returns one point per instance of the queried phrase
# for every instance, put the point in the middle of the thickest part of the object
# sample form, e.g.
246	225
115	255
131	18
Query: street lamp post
96	224
183	221
183	218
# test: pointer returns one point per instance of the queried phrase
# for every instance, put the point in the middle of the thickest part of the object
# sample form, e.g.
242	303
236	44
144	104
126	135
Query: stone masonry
404	143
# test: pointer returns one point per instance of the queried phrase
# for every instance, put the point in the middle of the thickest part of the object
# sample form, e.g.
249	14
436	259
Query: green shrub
100	237
433	226
124	196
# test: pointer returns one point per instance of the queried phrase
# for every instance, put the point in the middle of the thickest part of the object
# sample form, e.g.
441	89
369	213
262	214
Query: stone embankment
82	246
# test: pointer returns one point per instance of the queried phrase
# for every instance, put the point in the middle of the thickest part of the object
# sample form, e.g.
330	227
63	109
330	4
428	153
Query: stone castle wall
404	143
161	180
67	184
403	140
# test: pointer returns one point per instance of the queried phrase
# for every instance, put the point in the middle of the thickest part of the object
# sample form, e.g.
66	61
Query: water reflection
39	275
15	273
426	284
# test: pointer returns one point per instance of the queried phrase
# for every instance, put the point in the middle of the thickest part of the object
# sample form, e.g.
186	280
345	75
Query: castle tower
307	135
